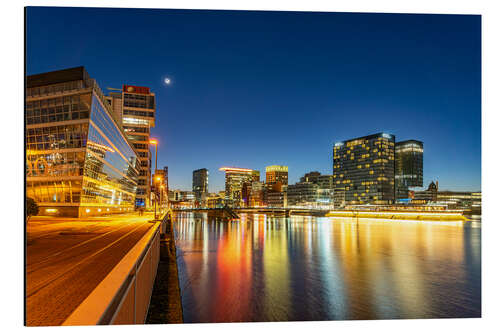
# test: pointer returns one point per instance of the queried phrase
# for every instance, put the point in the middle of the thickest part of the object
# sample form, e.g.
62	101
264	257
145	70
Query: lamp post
155	143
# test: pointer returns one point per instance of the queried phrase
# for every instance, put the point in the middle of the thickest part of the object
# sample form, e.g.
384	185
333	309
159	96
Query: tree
31	208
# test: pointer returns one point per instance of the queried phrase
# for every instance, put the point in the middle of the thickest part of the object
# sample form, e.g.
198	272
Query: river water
266	268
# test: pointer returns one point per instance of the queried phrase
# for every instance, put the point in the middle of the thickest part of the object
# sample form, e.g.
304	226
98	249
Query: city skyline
280	92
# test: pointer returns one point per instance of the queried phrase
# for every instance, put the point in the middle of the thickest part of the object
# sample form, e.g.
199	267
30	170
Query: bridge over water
232	212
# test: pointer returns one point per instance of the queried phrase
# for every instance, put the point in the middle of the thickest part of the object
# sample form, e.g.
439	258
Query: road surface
68	257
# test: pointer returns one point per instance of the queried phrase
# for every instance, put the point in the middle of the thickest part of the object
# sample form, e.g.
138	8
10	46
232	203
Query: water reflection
305	268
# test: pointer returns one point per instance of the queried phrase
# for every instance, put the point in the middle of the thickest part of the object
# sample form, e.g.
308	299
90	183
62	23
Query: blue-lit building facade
78	159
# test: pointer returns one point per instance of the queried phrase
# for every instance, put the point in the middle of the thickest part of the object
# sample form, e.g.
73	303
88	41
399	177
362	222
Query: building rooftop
59	76
368	137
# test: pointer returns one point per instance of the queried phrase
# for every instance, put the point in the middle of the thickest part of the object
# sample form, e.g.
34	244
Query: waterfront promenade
66	258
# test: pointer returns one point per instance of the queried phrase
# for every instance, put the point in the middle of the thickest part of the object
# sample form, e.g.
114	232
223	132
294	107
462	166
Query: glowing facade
409	166
235	178
135	107
277	173
363	170
79	161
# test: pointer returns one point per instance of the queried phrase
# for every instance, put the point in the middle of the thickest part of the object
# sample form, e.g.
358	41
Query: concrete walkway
67	258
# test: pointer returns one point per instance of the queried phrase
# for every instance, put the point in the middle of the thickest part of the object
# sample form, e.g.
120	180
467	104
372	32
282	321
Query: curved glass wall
111	168
76	155
56	137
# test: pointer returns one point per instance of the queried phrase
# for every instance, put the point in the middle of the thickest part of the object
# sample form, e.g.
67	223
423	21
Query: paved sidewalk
67	258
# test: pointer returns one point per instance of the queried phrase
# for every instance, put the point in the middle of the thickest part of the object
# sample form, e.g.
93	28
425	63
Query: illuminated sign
385	135
278	168
231	169
338	144
135	89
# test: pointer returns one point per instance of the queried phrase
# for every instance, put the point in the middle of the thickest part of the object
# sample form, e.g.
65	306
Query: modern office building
160	186
302	194
363	170
277	173
235	177
277	198
214	200
257	194
181	199
200	185
310	177
246	193
409	166
314	190
165	172
325	190
276	182
135	108
79	161
255	176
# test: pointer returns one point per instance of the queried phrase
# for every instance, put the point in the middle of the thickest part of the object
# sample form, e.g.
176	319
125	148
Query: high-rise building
363	170
255	176
200	185
257	194
409	171
135	107
277	173
165	171
79	161
160	184
235	178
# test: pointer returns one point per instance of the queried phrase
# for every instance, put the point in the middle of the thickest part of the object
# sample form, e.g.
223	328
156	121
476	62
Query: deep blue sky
252	89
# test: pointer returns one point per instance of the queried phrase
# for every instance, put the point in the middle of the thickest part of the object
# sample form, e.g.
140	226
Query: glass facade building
313	190
302	194
235	178
78	160
409	166
200	185
363	170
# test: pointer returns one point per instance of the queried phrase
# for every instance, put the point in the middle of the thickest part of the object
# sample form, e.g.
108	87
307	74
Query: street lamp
155	143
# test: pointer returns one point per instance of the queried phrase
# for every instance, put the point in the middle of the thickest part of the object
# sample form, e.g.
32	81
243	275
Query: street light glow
153	142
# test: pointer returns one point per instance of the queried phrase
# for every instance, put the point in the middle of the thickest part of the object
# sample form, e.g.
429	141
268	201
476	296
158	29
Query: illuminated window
135	121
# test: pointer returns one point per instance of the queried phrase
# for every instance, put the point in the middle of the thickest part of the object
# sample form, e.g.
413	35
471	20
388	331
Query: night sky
251	89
